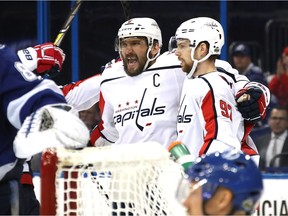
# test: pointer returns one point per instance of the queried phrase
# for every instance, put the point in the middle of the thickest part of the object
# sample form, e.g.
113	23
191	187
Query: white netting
132	179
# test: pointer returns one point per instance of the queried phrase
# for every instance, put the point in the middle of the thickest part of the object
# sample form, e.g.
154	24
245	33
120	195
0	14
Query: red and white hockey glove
44	58
252	101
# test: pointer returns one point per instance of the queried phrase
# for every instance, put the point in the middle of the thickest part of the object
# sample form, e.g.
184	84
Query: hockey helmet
198	30
232	170
140	27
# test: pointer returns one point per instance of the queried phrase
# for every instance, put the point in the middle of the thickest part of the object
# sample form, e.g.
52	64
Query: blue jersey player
34	116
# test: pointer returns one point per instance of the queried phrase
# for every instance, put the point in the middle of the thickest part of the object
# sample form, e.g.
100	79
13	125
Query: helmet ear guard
172	44
116	44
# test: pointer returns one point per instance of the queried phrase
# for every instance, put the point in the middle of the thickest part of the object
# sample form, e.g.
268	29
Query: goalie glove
44	58
252	101
50	126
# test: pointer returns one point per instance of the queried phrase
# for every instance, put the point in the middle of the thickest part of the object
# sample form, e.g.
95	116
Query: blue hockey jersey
21	93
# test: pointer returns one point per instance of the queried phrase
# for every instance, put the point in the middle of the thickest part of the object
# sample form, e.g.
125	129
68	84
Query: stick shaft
67	23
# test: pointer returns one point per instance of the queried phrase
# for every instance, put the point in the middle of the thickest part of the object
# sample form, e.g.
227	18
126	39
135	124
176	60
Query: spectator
278	84
276	140
242	62
91	116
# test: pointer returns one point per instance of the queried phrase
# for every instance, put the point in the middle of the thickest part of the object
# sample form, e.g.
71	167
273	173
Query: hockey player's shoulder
224	66
167	59
113	70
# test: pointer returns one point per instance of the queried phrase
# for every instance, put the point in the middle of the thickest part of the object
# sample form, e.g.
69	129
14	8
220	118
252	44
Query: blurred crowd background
262	24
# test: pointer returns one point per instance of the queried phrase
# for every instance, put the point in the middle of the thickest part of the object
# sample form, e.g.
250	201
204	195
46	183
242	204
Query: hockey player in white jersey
208	118
139	104
140	95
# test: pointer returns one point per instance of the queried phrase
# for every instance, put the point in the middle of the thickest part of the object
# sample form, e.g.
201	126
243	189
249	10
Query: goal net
130	179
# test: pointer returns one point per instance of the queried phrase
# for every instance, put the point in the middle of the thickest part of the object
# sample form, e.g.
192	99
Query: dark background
99	22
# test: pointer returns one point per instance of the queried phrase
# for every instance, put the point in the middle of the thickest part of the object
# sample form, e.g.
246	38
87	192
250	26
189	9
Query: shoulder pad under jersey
221	64
166	59
116	69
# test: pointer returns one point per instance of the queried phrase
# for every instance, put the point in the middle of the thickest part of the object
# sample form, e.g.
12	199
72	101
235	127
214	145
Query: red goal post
130	179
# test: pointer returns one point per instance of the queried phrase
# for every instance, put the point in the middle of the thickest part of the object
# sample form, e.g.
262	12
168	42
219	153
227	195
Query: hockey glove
44	58
50	126
251	103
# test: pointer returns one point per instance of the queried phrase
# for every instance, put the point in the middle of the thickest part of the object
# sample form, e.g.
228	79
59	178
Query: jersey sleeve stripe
210	117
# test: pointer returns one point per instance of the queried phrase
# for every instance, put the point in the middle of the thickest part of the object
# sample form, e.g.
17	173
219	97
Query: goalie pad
50	126
252	101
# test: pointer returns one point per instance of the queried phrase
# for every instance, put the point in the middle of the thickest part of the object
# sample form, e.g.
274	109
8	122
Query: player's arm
83	94
105	132
252	98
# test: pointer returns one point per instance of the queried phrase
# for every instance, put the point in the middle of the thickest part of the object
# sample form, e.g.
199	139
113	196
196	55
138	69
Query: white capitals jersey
154	91
144	107
208	119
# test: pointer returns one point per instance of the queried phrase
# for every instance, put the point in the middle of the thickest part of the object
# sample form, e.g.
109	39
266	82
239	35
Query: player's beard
186	67
134	71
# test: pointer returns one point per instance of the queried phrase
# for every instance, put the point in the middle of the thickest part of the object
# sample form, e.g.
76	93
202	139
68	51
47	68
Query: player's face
134	55
183	51
218	204
193	202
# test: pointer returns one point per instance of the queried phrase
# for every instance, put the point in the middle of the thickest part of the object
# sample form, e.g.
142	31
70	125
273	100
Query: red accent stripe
247	149
248	126
101	103
95	134
210	119
26	178
67	88
70	86
262	106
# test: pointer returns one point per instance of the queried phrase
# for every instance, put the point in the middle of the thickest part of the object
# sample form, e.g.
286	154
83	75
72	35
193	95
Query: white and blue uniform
21	93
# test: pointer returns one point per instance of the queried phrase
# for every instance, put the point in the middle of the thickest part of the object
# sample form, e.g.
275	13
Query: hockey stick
126	9
67	23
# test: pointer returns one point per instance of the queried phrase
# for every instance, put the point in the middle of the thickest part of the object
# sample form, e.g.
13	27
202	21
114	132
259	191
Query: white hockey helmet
198	30
202	29
141	27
